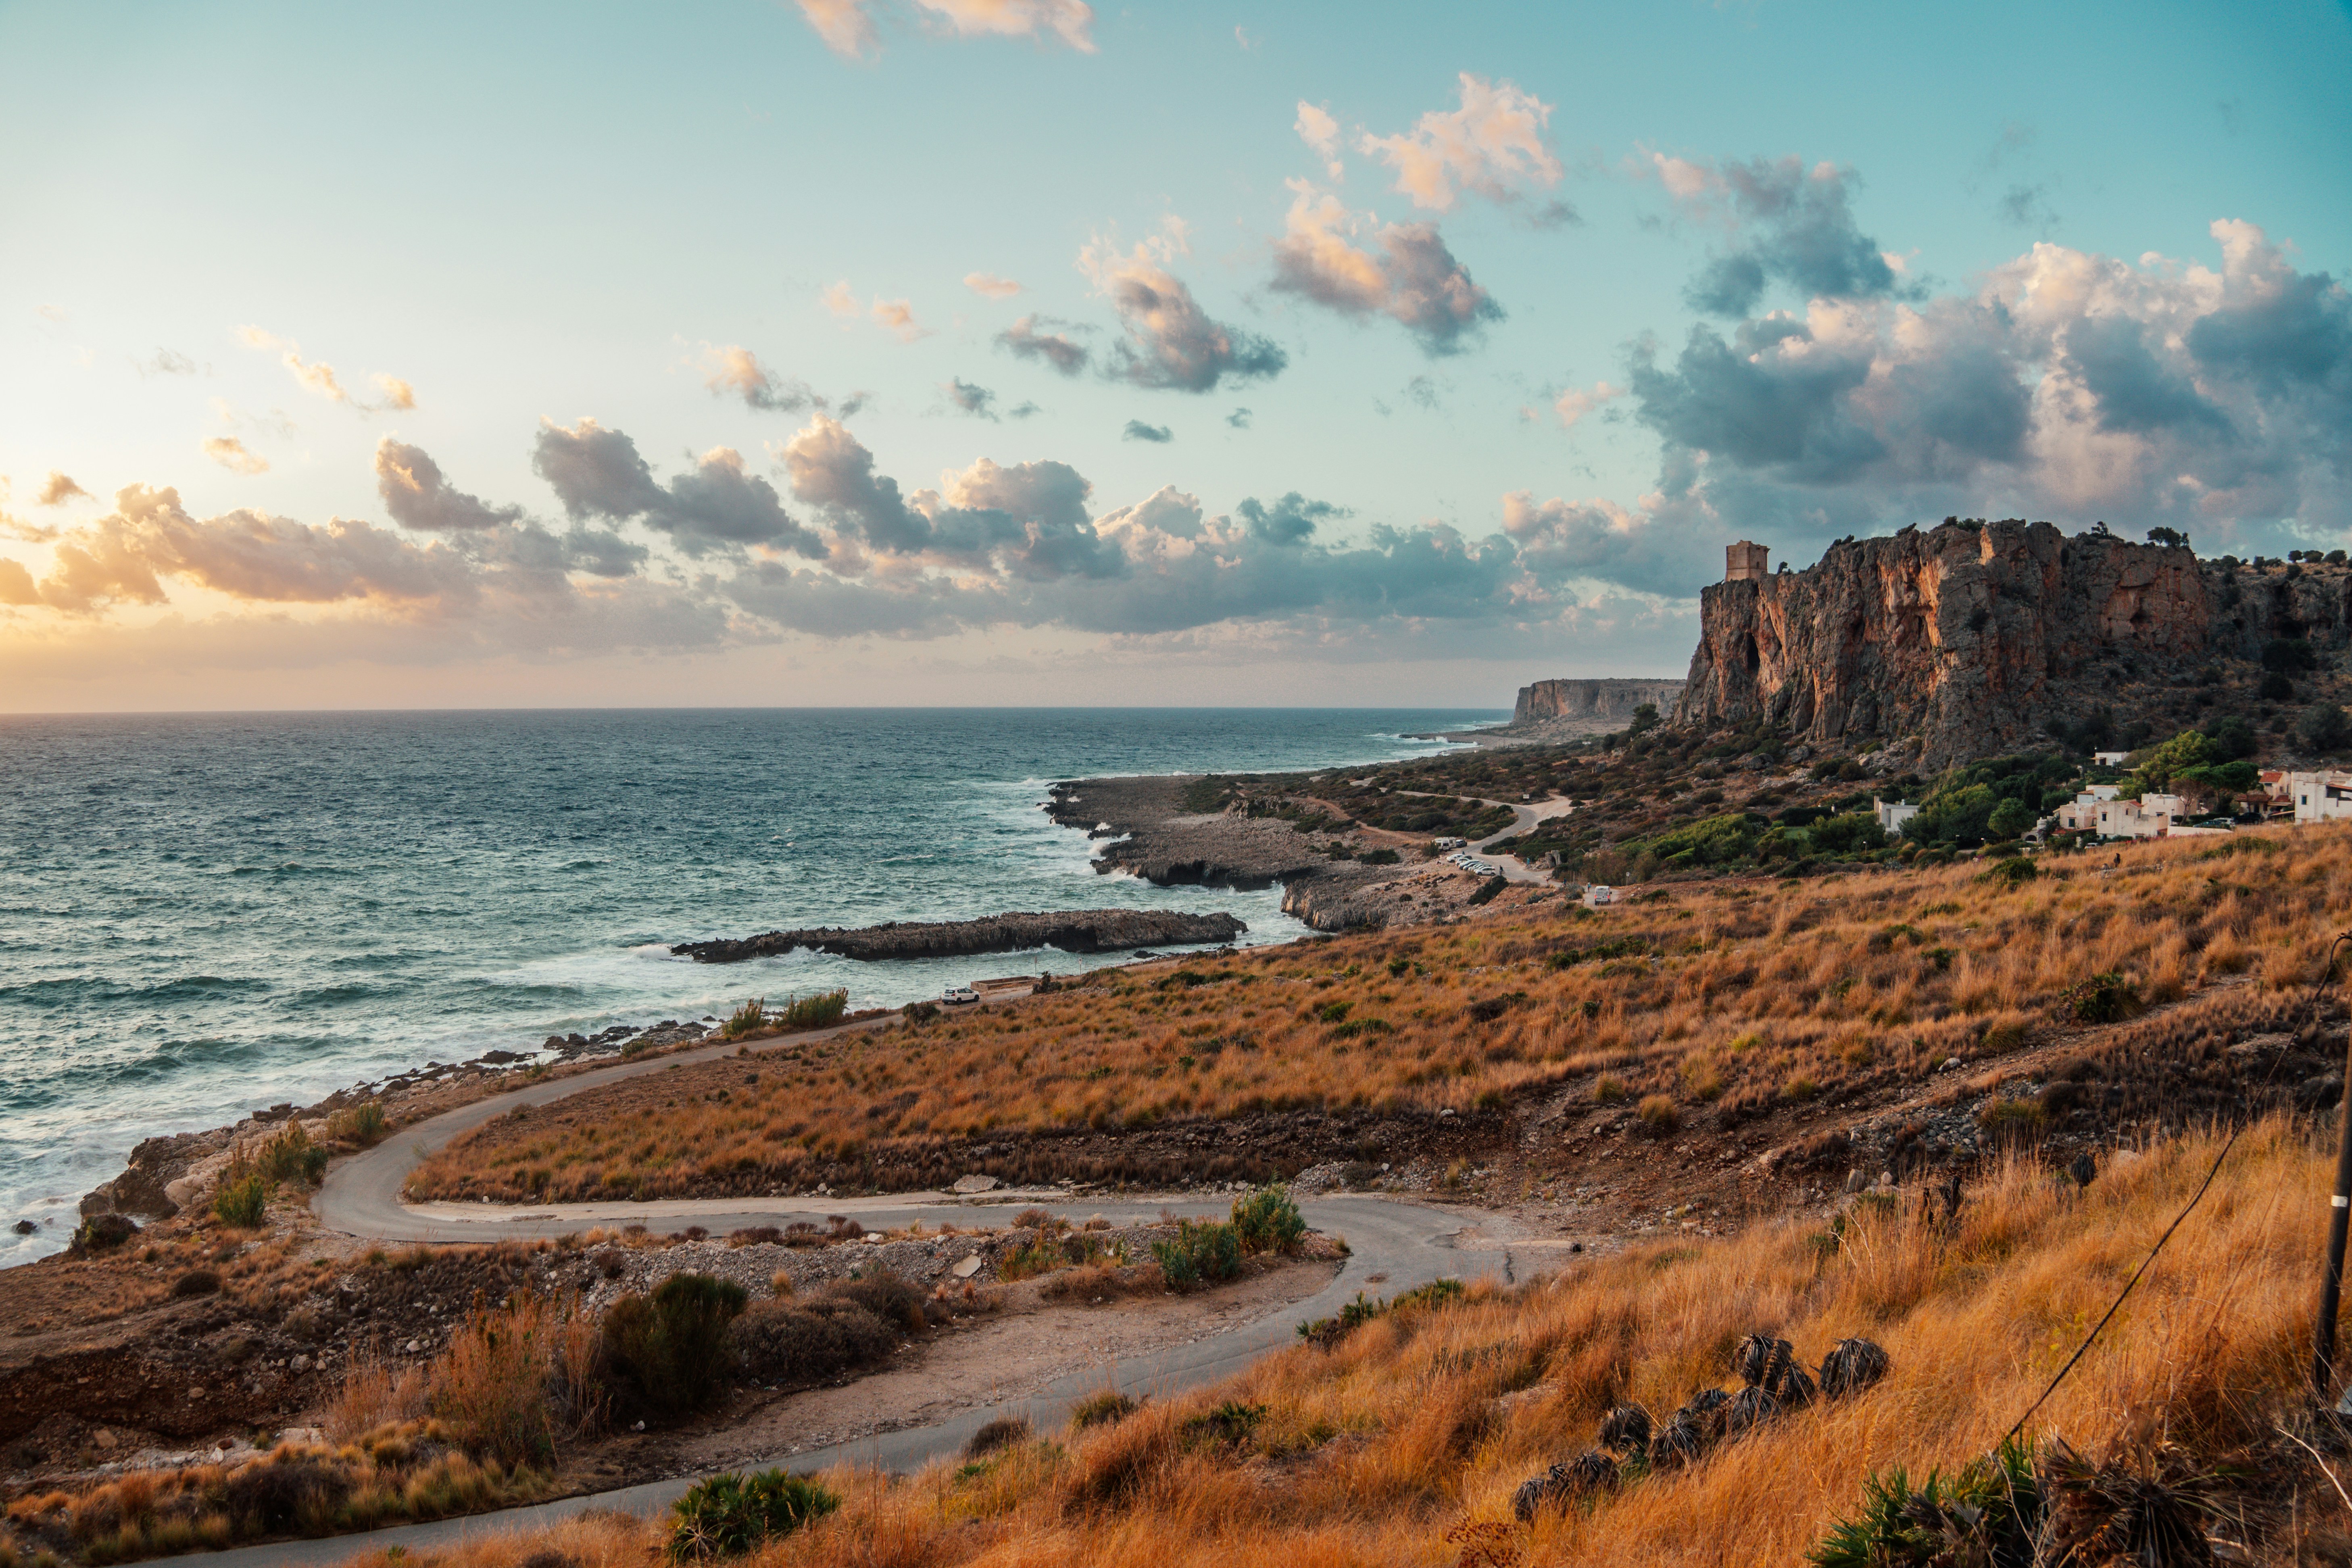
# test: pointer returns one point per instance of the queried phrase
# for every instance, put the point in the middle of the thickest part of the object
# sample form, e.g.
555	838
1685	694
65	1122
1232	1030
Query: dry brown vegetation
1749	992
1422	1421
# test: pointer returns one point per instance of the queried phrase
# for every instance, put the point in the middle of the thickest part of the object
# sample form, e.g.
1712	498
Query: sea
205	915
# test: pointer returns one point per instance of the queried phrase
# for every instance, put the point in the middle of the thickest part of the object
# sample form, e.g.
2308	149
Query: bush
1102	1409
2323	727
242	1200
292	1157
668	1352
2275	688
729	1515
780	1341
2107	998
752	1016
1658	1116
813	1012
1269	1220
271	1497
363	1124
1204	1250
2012	872
101	1233
195	1282
1609	1089
1002	1433
885	1295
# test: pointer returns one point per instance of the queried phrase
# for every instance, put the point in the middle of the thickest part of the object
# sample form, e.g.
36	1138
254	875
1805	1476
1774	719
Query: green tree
2167	536
2323	727
2229	738
1645	717
2010	819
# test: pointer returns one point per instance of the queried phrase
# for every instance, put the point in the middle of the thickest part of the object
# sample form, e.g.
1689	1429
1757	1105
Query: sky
1034	352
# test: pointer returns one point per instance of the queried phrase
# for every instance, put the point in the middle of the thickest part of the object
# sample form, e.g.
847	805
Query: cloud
397	394
165	362
417	495
58	490
898	316
1172	343
1023	410
1030	337
737	372
1600	541
16	583
990	286
841	301
319	378
976	401
2064	384
1797	228
847	26
1068	20
1576	402
1028	520
1289	520
1493	145
716	506
1137	430
1239	419
1415	280
230	453
1321	133
844	25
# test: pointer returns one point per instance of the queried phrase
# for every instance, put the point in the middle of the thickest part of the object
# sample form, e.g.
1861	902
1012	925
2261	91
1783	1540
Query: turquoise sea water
203	915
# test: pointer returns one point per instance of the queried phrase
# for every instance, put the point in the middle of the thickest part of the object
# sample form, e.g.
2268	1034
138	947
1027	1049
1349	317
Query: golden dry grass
1705	990
1424	1421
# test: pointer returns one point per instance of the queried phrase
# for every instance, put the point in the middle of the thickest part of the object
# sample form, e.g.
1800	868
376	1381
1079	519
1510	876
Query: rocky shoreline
1074	931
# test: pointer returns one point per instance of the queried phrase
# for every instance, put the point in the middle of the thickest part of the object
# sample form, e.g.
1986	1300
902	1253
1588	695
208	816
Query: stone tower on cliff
1745	562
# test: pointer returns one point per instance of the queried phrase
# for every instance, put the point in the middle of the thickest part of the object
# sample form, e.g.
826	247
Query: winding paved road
1407	1244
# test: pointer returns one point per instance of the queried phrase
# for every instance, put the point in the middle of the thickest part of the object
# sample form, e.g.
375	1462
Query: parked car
957	995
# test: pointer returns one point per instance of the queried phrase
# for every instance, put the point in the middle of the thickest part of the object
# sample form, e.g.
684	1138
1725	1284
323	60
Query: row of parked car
1471	863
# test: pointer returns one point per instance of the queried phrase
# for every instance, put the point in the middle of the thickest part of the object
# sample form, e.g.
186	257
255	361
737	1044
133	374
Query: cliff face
1594	699
1974	637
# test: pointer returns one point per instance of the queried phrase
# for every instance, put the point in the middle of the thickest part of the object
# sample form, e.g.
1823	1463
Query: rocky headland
1074	931
1972	637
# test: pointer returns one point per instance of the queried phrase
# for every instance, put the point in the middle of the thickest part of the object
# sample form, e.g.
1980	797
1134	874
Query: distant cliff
1973	637
1607	701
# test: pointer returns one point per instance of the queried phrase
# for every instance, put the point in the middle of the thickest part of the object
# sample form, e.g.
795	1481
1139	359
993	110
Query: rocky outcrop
1609	703
1077	931
1973	637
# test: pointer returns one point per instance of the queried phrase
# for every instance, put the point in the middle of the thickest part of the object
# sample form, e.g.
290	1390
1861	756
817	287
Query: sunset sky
1024	351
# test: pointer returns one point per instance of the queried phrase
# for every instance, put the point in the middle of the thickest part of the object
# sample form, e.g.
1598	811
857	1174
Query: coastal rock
1605	704
1972	636
1079	931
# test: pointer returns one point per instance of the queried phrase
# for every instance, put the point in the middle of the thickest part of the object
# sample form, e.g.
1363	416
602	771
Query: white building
2320	797
2149	817
2111	759
2081	813
1892	814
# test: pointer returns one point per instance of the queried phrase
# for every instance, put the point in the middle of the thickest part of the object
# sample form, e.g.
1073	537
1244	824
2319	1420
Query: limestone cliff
1609	701
1974	636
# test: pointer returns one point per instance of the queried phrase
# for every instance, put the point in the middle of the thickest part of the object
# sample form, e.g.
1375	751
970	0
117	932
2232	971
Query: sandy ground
1011	1355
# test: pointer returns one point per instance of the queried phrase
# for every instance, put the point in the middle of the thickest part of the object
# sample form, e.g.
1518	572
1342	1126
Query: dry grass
1424	1420
1710	991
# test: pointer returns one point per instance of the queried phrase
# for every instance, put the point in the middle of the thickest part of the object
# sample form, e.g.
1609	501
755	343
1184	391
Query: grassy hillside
1424	1421
1719	1001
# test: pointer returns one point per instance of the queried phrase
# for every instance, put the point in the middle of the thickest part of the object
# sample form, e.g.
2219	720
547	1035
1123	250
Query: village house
2149	817
2081	815
1892	814
2324	796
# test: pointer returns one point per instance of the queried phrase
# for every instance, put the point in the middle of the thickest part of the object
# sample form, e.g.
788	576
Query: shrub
1658	1116
730	1515
242	1199
1487	890
2274	688
1268	1219
2010	872
292	1156
1609	1089
363	1124
2323	727
1103	1409
813	1012
2107	998
780	1341
752	1016
885	1295
273	1496
1204	1250
1002	1433
102	1233
667	1353
195	1282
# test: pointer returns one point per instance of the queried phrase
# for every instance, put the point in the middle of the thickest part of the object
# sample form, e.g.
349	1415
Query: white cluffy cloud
1414	279
847	26
319	377
1321	132
1493	145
